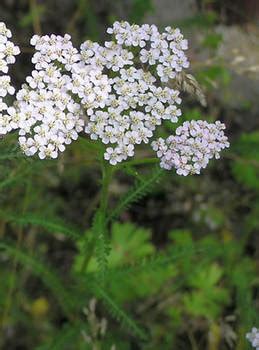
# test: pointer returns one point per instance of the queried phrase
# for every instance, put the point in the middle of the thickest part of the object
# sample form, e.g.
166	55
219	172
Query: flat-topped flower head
138	62
118	93
54	101
190	150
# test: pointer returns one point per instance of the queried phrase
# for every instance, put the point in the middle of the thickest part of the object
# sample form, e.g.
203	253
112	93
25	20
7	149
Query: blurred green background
201	289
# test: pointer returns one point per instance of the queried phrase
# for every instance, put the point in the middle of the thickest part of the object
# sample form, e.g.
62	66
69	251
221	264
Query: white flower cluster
116	93
190	150
165	50
136	62
8	51
253	337
50	107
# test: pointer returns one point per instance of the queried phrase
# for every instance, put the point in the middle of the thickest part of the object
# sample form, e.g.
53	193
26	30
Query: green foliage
131	244
245	166
214	76
212	40
187	265
99	230
139	9
200	20
63	339
141	189
207	298
252	219
85	9
118	313
11	153
128	243
46	274
199	273
102	253
49	224
29	18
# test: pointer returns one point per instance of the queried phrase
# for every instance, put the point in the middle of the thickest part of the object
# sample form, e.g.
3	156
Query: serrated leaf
141	189
117	312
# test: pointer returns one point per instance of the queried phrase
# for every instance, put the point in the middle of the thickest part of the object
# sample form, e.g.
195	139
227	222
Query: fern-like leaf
49	224
102	253
151	263
11	154
64	339
102	242
117	312
47	274
141	189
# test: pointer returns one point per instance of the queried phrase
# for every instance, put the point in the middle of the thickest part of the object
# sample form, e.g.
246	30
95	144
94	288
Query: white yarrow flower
115	93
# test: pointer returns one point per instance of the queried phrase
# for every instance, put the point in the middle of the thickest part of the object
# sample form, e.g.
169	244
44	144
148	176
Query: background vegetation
182	269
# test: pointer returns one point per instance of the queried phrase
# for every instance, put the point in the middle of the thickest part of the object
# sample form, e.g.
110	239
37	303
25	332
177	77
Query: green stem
107	172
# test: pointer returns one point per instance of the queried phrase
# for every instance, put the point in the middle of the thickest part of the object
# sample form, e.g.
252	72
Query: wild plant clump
114	97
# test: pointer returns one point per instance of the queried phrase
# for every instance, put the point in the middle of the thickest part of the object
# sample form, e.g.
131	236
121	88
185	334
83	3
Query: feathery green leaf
51	225
141	189
64	339
117	312
47	274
